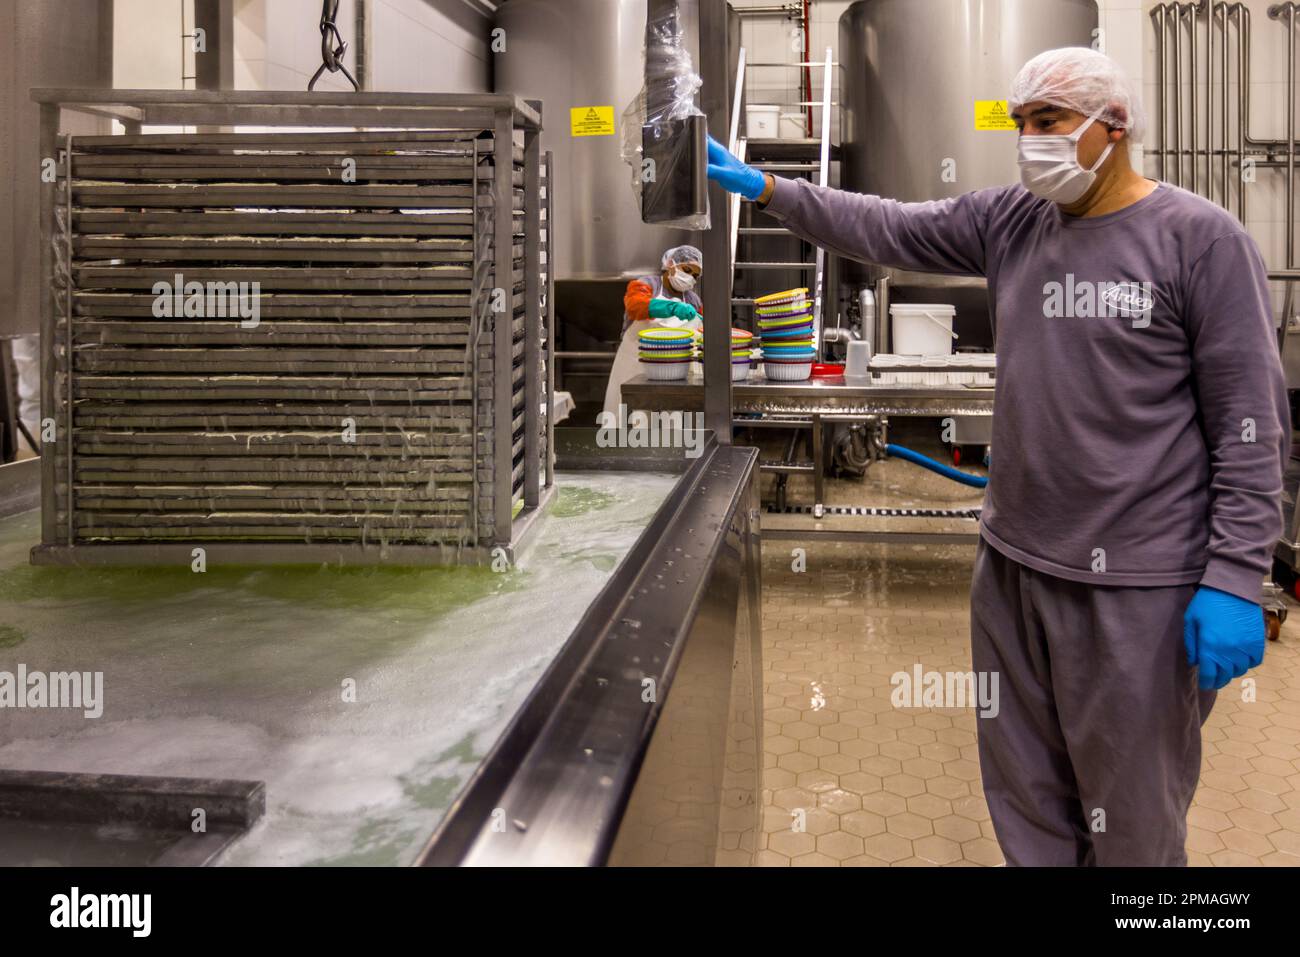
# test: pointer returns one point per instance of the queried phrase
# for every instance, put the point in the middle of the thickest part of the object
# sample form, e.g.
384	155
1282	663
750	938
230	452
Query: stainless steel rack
389	403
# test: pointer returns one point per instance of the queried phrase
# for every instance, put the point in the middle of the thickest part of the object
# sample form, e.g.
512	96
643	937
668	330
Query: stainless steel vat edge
20	486
556	784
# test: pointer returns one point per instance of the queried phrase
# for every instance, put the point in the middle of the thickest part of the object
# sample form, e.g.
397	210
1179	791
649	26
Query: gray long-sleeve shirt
1142	420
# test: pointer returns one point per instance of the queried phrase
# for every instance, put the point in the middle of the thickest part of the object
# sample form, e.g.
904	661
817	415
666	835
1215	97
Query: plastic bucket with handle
792	126
761	120
922	328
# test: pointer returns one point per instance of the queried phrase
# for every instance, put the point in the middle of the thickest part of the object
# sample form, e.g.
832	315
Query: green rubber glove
670	308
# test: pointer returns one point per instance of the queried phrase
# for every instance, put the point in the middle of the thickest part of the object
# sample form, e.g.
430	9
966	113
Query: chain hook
332	46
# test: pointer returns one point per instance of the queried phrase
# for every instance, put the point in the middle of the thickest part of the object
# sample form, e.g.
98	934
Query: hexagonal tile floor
849	780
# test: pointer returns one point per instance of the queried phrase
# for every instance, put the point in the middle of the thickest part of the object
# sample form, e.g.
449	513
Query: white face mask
1049	165
681	281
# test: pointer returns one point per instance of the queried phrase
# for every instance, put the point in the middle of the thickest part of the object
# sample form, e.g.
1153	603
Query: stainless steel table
821	397
763	403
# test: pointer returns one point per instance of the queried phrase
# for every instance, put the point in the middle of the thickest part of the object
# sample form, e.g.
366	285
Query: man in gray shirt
1141	430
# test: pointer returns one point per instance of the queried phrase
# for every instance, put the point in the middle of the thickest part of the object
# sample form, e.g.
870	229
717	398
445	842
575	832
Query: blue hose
902	452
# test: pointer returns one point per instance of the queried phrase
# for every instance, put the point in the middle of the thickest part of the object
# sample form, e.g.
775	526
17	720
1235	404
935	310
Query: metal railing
1199	123
823	179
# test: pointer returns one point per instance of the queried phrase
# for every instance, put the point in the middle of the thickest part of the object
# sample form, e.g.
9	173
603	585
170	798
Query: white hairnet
683	255
1083	80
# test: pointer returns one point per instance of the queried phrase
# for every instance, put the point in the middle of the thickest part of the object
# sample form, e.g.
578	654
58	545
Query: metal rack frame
501	115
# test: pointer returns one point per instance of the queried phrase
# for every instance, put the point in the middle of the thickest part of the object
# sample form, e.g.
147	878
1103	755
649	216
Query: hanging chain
332	46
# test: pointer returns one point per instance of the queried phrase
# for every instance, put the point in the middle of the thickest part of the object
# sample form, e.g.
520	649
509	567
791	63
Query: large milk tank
911	74
581	53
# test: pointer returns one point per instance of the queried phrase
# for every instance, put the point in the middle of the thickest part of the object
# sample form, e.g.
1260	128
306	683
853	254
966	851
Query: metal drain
875	512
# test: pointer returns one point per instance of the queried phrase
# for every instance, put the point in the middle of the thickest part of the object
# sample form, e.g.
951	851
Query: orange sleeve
636	301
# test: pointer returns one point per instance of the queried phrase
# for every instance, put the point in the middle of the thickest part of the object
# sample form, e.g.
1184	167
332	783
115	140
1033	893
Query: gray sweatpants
1095	751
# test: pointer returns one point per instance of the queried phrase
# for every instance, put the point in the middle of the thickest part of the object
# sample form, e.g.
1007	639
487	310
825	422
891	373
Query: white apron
626	364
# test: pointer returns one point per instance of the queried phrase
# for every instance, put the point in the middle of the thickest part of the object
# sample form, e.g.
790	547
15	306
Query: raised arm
942	236
946	236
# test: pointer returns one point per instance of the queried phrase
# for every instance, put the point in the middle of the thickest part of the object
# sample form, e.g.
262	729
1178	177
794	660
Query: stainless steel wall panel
41	44
910	73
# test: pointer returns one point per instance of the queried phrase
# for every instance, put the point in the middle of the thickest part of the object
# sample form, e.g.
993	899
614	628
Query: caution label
592	120
993	115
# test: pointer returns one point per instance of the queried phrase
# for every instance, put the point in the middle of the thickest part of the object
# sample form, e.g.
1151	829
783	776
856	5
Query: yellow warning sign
993	115
592	120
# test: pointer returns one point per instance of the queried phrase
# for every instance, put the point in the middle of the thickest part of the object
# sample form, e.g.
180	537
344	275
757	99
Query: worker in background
667	299
1139	441
27	360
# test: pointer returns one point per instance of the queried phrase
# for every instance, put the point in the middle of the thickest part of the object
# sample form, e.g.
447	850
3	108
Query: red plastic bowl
827	370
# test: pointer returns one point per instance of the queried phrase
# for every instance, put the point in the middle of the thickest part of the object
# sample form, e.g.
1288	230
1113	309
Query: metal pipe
1195	76
770	9
1157	16
824	166
882	343
715	244
807	70
1220	9
1290	135
361	40
549	352
1207	8
868	333
48	143
1178	95
1243	76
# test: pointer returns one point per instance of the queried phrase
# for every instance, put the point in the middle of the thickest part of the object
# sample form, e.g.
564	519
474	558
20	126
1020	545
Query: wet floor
879	786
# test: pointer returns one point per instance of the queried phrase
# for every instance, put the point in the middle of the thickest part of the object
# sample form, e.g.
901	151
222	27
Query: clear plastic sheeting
1083	80
664	133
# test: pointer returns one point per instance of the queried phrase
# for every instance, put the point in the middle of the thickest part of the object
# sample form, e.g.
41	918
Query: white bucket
922	329
793	126
761	120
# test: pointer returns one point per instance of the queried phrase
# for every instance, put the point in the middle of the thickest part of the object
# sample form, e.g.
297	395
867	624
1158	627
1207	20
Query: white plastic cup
857	363
935	370
884	364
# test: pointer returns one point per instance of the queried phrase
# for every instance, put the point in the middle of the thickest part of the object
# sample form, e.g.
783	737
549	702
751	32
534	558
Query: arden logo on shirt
1084	299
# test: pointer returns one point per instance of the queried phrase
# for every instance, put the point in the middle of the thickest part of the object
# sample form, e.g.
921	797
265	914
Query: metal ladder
797	426
740	148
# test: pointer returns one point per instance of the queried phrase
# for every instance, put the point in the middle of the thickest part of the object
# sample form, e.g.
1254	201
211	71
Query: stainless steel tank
911	72
578	53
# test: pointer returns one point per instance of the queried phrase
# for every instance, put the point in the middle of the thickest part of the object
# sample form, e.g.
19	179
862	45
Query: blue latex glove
733	175
1224	636
663	308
